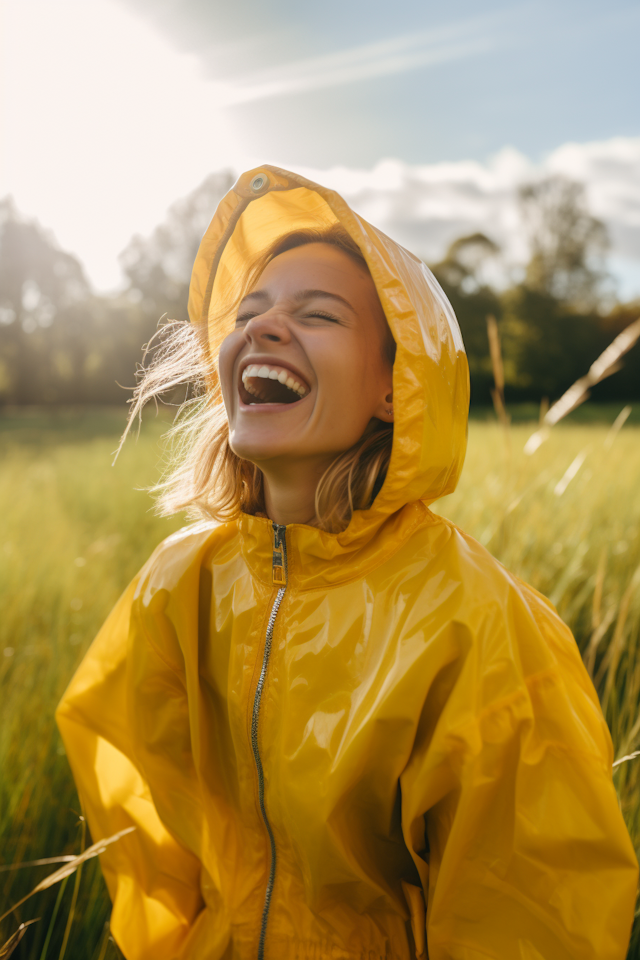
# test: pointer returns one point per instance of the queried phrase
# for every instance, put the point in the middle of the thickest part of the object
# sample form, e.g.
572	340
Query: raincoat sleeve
509	809
127	775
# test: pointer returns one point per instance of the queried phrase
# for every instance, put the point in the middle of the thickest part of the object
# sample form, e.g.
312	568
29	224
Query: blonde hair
204	476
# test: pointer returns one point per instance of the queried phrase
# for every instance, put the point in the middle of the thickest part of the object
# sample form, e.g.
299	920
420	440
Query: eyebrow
301	296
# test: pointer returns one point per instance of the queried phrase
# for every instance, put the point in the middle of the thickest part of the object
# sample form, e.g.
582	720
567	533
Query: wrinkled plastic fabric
437	767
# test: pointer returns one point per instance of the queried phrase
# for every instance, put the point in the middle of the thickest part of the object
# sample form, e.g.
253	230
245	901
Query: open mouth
270	383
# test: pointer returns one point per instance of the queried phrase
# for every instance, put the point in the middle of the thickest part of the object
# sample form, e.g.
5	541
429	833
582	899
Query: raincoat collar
317	559
430	375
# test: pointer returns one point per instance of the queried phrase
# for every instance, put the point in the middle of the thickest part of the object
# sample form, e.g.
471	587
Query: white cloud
611	171
426	207
455	41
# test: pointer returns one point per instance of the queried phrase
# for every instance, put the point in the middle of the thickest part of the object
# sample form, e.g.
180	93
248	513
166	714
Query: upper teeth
273	373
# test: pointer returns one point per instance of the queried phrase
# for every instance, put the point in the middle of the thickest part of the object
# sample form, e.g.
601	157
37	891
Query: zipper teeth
256	756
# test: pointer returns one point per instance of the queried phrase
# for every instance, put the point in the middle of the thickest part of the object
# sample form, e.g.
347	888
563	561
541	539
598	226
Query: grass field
74	530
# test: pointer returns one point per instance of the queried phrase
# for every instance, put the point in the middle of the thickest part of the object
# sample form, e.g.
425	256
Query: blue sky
421	81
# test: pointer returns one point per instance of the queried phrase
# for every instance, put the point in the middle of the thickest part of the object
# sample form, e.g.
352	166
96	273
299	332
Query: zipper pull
279	565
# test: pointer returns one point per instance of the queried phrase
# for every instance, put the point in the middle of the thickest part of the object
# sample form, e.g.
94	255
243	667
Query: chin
258	449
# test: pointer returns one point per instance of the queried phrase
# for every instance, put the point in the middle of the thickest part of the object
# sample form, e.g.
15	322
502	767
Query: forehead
321	263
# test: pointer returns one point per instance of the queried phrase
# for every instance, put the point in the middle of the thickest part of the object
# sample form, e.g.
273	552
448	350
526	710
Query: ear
384	410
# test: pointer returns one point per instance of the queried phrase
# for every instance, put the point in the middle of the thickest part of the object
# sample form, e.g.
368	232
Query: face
304	372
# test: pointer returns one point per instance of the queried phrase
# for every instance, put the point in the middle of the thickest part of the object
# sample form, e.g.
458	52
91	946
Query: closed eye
322	316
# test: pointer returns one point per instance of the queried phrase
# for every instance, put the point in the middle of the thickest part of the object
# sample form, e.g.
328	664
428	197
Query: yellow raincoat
376	744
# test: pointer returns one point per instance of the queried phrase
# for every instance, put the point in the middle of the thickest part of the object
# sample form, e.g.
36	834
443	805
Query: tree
465	263
59	342
41	287
159	267
62	344
567	244
464	276
552	327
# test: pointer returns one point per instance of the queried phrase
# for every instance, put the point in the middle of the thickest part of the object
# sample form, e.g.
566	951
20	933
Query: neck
290	494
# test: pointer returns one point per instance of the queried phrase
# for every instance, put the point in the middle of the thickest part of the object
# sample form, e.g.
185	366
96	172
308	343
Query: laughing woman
340	728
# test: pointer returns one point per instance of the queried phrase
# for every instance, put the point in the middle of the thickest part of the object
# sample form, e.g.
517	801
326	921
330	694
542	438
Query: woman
339	726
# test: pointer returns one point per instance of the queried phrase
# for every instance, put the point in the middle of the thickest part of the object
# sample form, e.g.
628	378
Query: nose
270	327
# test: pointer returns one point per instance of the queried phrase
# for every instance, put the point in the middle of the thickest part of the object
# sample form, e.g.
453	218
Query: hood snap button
259	182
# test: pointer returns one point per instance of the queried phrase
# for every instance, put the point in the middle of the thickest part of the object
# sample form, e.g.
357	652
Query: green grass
74	530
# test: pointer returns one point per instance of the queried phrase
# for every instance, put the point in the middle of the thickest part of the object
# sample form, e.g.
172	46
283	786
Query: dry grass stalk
607	363
35	863
7	948
630	756
569	473
71	867
596	614
596	638
629	739
616	426
497	393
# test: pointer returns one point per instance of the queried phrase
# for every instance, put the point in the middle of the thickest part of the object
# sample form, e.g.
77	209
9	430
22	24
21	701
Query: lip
273	361
262	408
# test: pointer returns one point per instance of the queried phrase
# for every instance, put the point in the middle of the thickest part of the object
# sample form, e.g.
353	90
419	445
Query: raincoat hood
430	377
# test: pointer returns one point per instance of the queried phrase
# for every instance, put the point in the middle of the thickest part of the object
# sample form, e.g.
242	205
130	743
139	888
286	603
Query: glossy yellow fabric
438	771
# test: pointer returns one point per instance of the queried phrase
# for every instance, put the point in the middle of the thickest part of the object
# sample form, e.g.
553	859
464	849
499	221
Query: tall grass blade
105	942
69	868
596	637
74	898
54	917
615	646
596	606
7	948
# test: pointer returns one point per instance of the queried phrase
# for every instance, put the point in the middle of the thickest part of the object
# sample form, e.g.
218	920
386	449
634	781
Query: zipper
279	575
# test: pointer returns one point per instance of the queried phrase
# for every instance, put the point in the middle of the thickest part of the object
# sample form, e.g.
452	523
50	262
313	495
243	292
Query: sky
426	116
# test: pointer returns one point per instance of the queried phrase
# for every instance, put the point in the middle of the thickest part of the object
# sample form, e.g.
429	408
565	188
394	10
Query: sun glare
104	124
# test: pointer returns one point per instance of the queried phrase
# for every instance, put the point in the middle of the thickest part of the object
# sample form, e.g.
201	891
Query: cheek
229	350
349	376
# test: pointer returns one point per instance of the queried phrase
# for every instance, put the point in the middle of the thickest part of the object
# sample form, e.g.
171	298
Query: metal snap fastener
258	183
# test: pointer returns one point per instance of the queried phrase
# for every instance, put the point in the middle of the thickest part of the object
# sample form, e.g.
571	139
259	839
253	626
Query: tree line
61	343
